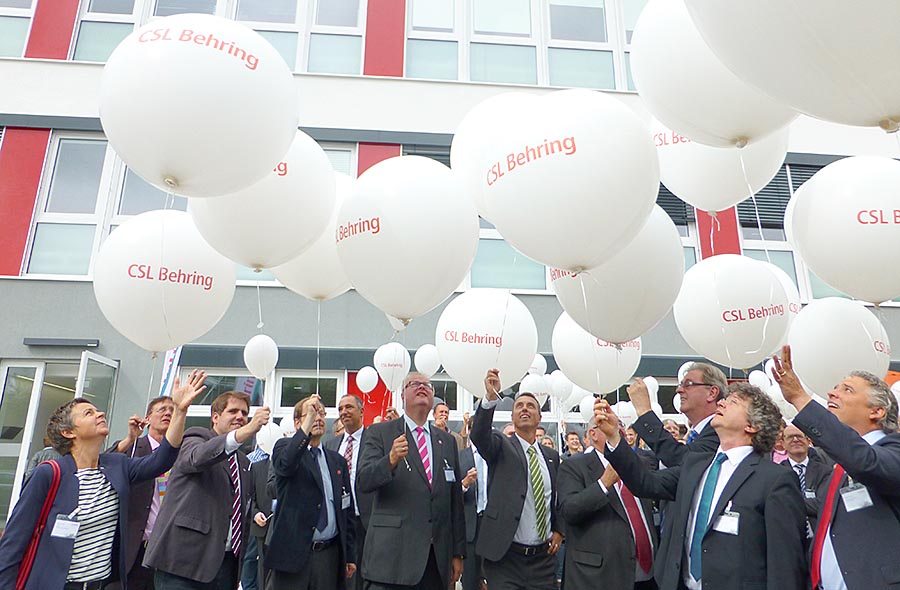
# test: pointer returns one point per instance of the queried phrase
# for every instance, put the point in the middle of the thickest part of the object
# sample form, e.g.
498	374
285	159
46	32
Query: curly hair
762	414
62	420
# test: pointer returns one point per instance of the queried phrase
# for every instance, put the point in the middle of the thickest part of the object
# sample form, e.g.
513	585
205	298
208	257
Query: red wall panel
370	154
385	38
52	29
719	234
21	162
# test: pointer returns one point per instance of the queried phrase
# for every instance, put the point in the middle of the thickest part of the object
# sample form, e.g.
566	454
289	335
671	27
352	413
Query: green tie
703	509
537	488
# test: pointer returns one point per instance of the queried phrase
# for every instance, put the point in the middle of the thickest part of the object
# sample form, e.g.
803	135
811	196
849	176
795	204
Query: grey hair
359	402
712	376
880	396
762	414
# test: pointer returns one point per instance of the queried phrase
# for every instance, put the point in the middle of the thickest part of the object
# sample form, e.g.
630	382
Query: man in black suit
416	536
811	471
609	532
313	524
735	521
474	500
519	535
350	414
857	539
646	455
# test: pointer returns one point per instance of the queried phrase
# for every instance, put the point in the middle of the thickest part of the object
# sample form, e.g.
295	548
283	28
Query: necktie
800	468
234	470
692	436
537	488
322	521
423	451
703	509
481	483
348	453
824	523
643	550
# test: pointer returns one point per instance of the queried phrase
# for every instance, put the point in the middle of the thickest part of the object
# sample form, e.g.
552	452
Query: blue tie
322	521
692	436
702	521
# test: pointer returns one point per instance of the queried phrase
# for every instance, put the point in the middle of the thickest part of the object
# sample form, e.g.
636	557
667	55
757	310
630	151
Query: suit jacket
409	516
599	541
668	450
768	551
54	555
470	496
867	541
508	483
260	500
818	473
363	501
188	539
301	494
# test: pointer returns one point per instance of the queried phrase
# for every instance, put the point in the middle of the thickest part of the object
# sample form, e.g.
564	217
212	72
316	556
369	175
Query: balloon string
590	330
714	226
150	384
318	333
259	306
162	255
755	205
506	310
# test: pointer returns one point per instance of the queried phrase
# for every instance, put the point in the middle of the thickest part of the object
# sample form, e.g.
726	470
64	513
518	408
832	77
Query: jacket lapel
439	462
313	465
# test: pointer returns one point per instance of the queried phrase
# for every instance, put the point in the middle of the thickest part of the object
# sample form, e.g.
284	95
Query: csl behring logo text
250	61
470	338
752	313
565	146
145	272
360	226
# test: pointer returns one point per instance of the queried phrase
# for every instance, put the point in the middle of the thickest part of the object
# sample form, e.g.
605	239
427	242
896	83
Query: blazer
508	483
409	516
668	450
769	549
188	539
54	555
867	541
301	492
363	501
260	500
818	473
470	496
599	541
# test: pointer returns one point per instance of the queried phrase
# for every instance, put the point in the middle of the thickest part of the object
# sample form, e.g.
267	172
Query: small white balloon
561	387
392	363
267	436
652	388
532	383
594	364
657	409
287	426
578	394
260	356
428	359
676	402
683	369
367	379
586	408
759	379
538	366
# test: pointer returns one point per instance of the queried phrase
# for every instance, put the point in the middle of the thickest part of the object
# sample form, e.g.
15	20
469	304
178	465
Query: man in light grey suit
202	527
416	536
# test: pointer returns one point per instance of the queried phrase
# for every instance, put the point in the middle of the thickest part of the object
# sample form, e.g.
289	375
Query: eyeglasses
687	383
417	384
795	437
163	409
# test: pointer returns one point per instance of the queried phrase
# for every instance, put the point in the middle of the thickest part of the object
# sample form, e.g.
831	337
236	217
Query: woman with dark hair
80	546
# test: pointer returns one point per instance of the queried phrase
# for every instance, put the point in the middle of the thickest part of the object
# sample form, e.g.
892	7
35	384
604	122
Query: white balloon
712	178
732	310
683	369
759	379
593	364
626	412
834	336
686	87
832	75
276	219
287	426
657	409
793	295
392	363
578	394
895	389
788	411
775	393
586	408
652	388
533	383
367	379
198	104
561	387
407	213
538	366
159	284
260	356
846	224
589	151
676	402
428	360
486	329
317	273
267	436
605	300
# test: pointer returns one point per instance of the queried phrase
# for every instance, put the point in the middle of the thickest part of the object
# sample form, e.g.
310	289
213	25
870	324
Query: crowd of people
741	500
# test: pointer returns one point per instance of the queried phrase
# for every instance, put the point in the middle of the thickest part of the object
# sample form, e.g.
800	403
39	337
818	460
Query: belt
323	545
529	550
95	585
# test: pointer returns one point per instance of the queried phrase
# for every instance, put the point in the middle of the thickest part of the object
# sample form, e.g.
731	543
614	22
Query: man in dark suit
646	455
146	497
198	539
811	471
857	539
313	525
735	521
474	500
350	414
519	535
416	536
609	532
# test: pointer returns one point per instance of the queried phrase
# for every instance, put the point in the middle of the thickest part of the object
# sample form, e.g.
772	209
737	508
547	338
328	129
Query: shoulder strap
31	552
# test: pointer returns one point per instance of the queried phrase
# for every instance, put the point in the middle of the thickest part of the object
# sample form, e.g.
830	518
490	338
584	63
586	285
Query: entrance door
97	381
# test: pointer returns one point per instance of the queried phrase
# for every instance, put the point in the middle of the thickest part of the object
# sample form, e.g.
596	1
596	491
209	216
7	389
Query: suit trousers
320	573
356	582
520	572
473	572
226	578
140	577
431	578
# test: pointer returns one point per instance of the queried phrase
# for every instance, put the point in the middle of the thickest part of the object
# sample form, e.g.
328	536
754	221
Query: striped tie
348	453
801	473
537	488
423	451
236	504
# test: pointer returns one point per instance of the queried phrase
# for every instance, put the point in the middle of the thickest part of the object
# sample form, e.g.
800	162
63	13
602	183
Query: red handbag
31	551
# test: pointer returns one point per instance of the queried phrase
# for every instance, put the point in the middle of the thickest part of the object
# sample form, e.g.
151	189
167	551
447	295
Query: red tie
824	522
641	538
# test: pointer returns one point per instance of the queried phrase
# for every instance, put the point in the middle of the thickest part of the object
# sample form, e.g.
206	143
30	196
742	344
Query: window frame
21	13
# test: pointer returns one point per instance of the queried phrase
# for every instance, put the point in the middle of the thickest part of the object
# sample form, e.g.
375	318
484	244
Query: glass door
97	381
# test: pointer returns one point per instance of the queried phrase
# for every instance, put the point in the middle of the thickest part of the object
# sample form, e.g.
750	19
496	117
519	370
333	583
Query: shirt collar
602	458
805	462
525	443
737	454
412	425
699	426
153	443
874	436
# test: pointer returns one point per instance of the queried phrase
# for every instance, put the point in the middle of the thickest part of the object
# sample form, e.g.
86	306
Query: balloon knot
889	125
712	214
170	182
741	142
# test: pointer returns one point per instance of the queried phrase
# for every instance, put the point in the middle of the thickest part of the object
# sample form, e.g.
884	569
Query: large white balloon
392	363
793	295
652	388
608	302
198	105
407	236
261	356
712	178
759	379
593	155
159	283
595	365
831	44
687	88
427	359
732	310
486	329
367	379
276	219
834	336
846	223
533	383
317	273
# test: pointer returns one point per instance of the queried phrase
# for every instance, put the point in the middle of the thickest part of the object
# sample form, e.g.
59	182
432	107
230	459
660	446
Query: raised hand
787	379
260	419
399	450
607	421
184	395
639	396
492	384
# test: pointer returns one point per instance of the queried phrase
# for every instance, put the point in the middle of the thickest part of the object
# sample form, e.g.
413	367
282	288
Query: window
434	39
497	264
432	59
581	68
337	13
103	25
578	20
335	40
446	390
170	7
15	21
514	64
269	11
502	17
342	157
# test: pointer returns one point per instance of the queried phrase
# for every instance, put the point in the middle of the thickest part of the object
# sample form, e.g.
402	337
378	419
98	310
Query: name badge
65	527
855	497
810	494
728	523
449	475
345	501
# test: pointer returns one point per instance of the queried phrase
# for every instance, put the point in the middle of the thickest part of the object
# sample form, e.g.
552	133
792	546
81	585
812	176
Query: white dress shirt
356	436
527	533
